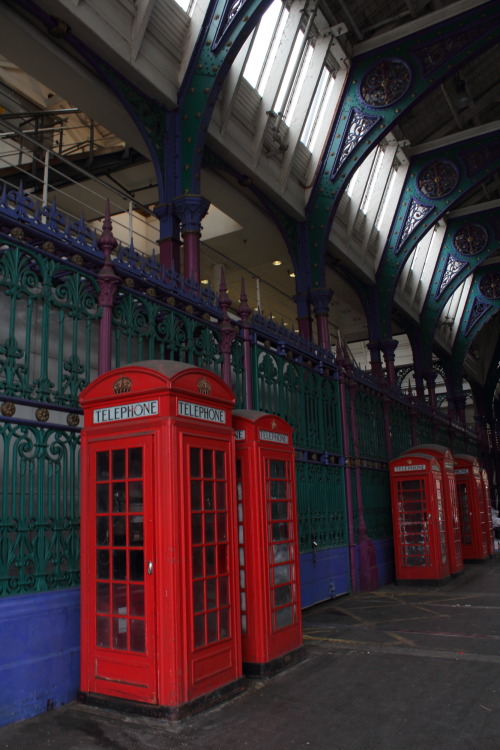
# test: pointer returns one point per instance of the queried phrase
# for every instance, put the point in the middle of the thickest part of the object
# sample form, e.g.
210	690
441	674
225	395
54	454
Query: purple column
321	300
108	282
368	574
244	312
303	316
430	379
169	242
344	421
375	360
226	329
389	347
191	209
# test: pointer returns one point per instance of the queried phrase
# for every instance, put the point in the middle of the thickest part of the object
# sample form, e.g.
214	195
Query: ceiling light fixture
277	262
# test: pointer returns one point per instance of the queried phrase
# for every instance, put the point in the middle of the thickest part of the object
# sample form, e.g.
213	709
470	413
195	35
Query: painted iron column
191	209
389	347
321	299
244	312
108	282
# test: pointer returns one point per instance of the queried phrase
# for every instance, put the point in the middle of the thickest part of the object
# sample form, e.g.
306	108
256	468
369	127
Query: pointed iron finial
244	310
107	242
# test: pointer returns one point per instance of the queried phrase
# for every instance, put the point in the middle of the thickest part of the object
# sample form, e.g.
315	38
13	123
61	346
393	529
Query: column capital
320	299
190	210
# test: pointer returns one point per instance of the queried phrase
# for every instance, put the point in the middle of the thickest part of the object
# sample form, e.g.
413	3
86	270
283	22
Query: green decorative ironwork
39	523
370	419
144	329
400	421
307	400
321	506
425	432
48	327
376	503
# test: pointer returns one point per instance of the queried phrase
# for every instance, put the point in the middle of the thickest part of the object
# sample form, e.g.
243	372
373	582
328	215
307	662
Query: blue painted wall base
39	654
324	575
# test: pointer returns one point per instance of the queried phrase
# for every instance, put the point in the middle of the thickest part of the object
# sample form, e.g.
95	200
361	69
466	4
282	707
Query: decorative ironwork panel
386	83
452	269
443	435
400	421
144	329
489	285
478	309
370	420
305	399
470	239
39	523
376	503
415	213
359	125
438	179
425	432
239	374
48	327
321	506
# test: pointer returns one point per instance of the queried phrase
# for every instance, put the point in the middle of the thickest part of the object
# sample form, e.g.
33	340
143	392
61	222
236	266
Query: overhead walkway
402	668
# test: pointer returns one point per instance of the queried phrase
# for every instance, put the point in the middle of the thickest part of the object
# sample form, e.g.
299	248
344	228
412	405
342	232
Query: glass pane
223	591
102	498
284	617
195	494
220	489
136	557
135	498
136	600
119	598
118	497
212	627
211	593
194	458
210	561
281	553
279	510
102	531
103	631
199	596
209	527
102	597
135	462
221	559
118	462
244	624
219	465
279	531
221	527
136	531
282	574
120	628
283	595
224	623
198	562
278	490
199	631
277	469
137	636
197	528
208	493
119	564
102	466
207	464
102	563
119	531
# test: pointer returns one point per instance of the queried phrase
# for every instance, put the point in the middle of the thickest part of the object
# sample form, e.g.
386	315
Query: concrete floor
401	668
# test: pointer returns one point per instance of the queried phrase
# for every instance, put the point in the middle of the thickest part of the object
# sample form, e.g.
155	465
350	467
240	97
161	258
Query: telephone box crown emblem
273	424
204	386
122	385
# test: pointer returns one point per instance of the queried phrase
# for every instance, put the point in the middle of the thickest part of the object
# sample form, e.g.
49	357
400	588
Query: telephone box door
212	625
120	584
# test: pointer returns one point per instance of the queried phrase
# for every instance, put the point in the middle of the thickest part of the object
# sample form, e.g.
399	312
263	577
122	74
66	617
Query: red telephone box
450	502
487	508
160	598
268	543
472	510
418	519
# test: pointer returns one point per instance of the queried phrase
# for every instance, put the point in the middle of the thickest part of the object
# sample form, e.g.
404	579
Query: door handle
150	568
